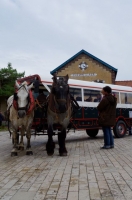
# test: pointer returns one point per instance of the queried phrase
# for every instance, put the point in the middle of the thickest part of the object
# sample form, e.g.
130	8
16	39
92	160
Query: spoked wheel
92	132
120	129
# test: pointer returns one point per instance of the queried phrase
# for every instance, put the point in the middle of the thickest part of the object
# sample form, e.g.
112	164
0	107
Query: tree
7	80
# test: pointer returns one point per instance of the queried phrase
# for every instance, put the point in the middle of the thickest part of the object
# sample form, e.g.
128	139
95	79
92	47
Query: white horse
21	113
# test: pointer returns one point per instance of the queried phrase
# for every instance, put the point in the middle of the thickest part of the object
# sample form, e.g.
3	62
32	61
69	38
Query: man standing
1	118
107	116
36	88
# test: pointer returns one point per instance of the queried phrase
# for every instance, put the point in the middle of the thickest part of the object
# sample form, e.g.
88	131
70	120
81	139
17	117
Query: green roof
88	54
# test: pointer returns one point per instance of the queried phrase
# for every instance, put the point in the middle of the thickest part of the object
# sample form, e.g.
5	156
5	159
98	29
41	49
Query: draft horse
58	112
21	112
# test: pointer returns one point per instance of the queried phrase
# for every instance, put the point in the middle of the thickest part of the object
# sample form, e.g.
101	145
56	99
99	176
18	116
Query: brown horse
58	112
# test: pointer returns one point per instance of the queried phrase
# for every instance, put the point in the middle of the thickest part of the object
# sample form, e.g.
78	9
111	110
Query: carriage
85	117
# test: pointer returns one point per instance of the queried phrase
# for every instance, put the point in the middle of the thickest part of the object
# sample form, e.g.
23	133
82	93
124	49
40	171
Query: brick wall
94	67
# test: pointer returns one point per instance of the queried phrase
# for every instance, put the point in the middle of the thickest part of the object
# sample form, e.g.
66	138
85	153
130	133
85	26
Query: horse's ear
54	79
17	85
66	78
30	86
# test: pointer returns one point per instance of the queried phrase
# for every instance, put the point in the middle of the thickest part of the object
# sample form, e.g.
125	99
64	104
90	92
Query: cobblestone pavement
87	173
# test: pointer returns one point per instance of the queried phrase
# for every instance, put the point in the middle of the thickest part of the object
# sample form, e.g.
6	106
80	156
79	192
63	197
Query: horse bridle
25	107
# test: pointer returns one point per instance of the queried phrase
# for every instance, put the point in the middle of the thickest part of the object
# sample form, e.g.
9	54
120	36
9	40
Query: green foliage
3	128
8	77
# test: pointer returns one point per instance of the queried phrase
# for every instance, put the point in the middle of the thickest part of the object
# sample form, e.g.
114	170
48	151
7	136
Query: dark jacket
107	111
1	117
36	86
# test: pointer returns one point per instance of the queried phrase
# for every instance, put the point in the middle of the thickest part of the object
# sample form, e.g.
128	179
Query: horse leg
28	148
61	141
50	143
21	144
14	150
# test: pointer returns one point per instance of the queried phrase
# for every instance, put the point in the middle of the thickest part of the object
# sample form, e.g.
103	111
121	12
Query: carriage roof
88	84
78	83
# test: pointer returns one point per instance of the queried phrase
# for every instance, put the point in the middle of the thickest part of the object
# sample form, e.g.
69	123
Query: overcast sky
37	36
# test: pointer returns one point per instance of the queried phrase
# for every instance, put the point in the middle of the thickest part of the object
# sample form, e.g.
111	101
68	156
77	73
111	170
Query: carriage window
50	86
126	98
76	93
129	98
116	94
92	95
46	92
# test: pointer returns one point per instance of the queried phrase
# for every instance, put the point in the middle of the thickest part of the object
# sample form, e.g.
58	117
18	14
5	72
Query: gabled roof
88	54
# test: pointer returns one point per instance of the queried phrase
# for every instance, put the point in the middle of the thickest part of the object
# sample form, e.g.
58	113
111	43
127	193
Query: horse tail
8	120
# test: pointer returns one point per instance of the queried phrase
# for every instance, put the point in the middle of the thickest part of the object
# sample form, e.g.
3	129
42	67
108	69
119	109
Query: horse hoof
63	154
29	153
21	148
50	153
54	145
18	148
13	153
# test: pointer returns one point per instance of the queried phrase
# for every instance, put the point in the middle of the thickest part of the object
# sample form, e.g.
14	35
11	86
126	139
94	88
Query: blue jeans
35	95
108	137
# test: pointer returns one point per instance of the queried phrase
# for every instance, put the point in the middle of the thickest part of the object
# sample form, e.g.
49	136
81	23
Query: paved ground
87	173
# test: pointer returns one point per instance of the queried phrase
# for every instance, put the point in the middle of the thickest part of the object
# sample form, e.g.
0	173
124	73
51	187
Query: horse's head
60	90
22	98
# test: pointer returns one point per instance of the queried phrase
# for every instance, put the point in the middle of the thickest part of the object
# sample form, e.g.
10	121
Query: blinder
15	96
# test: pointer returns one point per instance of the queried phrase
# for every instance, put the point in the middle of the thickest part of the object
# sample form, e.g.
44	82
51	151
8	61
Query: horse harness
30	103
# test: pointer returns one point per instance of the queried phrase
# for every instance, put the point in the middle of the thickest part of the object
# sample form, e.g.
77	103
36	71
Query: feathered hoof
21	148
50	153
29	153
50	148
54	145
63	151
14	153
63	154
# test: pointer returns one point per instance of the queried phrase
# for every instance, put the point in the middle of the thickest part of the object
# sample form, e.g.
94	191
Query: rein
24	108
57	101
21	87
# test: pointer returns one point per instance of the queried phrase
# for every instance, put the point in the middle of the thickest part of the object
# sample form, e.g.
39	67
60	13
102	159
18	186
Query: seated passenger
98	99
78	98
89	99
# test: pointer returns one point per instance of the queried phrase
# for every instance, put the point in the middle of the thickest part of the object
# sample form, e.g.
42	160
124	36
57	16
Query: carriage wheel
120	129
92	132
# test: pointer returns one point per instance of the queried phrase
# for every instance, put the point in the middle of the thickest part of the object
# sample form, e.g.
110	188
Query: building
85	66
124	83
